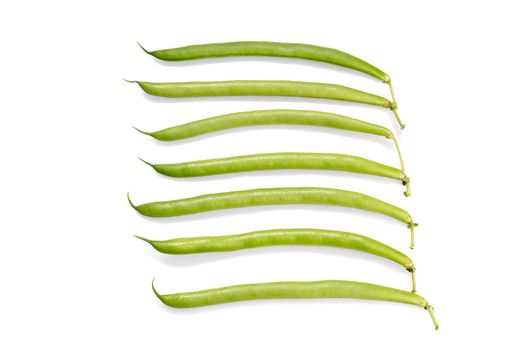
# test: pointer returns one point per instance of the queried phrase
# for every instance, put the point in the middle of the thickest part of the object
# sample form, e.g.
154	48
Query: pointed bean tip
130	202
142	131
151	165
143	48
154	289
143	238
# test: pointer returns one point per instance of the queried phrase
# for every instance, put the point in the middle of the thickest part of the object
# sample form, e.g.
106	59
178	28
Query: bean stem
393	105
406	179
412	246
406	182
412	226
413	280
435	322
402	125
390	89
398	151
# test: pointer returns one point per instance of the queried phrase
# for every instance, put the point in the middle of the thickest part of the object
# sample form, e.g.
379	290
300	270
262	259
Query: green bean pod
269	117
272	49
279	237
272	161
267	48
273	196
266	88
294	290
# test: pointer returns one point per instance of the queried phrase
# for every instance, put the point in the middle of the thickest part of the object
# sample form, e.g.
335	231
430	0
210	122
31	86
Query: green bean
297	236
273	116
294	290
266	88
275	49
272	161
269	196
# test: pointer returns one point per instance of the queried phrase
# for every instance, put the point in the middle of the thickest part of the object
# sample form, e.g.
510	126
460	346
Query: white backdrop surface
74	276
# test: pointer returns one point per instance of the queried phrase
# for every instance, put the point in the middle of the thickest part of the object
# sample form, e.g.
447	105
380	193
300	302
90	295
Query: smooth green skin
268	117
264	88
272	161
270	88
267	48
293	290
269	196
296	236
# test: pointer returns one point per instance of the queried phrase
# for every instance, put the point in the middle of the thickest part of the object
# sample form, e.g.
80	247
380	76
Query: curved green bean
275	49
266	88
296	236
272	161
270	196
273	116
294	290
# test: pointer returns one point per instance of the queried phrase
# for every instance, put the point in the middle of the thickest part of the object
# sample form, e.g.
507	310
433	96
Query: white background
73	276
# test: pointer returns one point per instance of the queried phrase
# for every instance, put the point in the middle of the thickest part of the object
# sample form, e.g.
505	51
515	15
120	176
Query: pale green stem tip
412	226
430	309
402	125
413	280
407	192
398	151
390	89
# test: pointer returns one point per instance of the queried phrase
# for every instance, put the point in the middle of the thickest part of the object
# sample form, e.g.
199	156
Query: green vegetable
268	48
272	161
274	116
294	290
269	196
296	236
266	88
